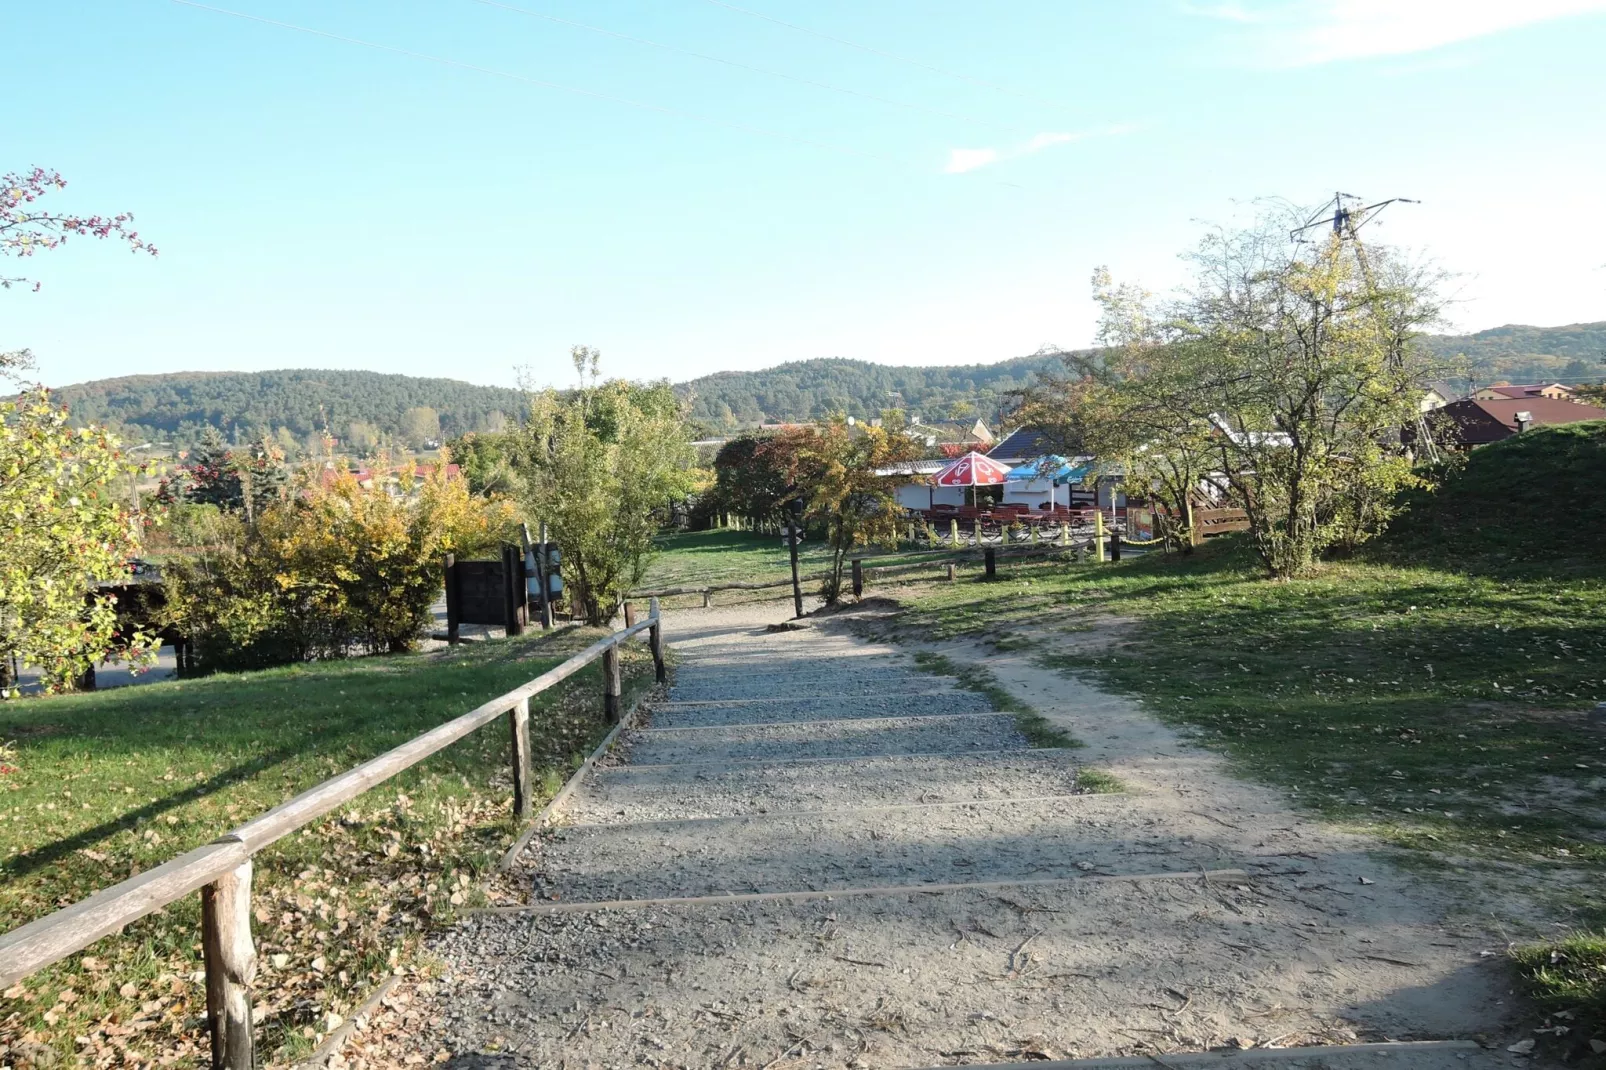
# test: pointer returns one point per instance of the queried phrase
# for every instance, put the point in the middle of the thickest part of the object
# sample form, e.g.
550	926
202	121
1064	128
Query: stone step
1056	838
679	716
847	738
629	793
738	686
968	976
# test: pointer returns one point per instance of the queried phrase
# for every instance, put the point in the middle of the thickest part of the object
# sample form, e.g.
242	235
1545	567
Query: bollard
951	579
708	597
953	532
858	578
1098	533
1115	546
990	560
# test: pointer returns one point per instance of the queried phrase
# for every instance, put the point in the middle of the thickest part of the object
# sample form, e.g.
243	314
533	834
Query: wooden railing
221	870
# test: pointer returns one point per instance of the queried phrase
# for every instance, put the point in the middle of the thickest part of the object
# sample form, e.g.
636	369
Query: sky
468	188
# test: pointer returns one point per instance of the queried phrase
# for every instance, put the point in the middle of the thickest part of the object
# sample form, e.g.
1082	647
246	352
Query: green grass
1098	782
1444	711
106	784
704	558
1567	980
1037	729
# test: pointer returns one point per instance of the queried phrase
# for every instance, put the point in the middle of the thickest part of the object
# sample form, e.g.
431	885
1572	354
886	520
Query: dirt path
815	855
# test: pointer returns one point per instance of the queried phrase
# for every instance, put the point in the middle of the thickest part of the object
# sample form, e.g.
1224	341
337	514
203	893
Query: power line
890	55
738	64
526	79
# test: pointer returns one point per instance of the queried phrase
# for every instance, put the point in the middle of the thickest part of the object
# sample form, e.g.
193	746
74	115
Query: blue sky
938	194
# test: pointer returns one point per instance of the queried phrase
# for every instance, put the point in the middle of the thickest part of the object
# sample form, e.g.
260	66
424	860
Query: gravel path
829	781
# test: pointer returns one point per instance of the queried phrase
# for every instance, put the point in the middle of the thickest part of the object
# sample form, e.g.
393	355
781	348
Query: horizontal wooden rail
221	870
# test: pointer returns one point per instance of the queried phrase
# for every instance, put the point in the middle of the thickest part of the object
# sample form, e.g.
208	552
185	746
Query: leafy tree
64	530
755	475
420	425
26	230
1296	365
856	506
603	466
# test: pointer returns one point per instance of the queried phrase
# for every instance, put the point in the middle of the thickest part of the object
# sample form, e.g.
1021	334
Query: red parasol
973	470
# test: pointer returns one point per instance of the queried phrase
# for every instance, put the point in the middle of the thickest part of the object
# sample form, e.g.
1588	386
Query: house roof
1020	446
1489	420
1526	390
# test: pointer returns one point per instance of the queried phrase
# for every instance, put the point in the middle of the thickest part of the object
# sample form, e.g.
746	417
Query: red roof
1479	421
973	470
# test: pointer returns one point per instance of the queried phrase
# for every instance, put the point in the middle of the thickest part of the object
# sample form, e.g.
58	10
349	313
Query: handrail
222	869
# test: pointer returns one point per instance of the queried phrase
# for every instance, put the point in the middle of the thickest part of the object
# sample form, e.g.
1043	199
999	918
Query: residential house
1554	391
1477	421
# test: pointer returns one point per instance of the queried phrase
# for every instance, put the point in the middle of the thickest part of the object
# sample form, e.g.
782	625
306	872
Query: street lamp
794	509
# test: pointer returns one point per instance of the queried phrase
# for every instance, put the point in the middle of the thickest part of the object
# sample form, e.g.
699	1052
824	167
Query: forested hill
1519	353
806	389
292	404
367	407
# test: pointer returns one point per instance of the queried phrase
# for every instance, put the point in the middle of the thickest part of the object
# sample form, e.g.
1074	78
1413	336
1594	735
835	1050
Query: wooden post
656	634
708	597
454	600
611	689
1098	531
518	720
231	966
858	578
950	572
1115	546
630	614
990	560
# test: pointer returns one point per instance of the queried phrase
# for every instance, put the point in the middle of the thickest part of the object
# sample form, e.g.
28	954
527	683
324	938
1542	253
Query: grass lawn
704	558
97	787
1444	711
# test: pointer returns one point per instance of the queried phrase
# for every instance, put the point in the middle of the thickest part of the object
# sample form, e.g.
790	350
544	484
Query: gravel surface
1320	942
934	702
627	793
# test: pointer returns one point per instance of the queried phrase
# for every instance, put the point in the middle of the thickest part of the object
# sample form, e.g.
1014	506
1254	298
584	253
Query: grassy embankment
1436	693
100	786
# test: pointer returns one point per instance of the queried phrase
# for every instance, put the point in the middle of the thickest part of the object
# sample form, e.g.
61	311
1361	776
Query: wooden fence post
656	632
1115	546
611	689
454	599
950	572
231	966
858	578
518	719
630	614
708	597
990	560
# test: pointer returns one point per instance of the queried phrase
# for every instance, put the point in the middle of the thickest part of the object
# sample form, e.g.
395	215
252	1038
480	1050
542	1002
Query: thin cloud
963	160
1329	31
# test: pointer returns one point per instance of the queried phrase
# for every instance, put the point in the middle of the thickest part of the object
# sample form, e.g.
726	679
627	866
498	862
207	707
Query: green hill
1535	495
1519	354
297	402
807	389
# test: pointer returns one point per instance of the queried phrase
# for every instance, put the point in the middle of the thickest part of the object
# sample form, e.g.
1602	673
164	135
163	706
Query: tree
64	530
755	475
602	467
25	230
420	426
857	506
1289	371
